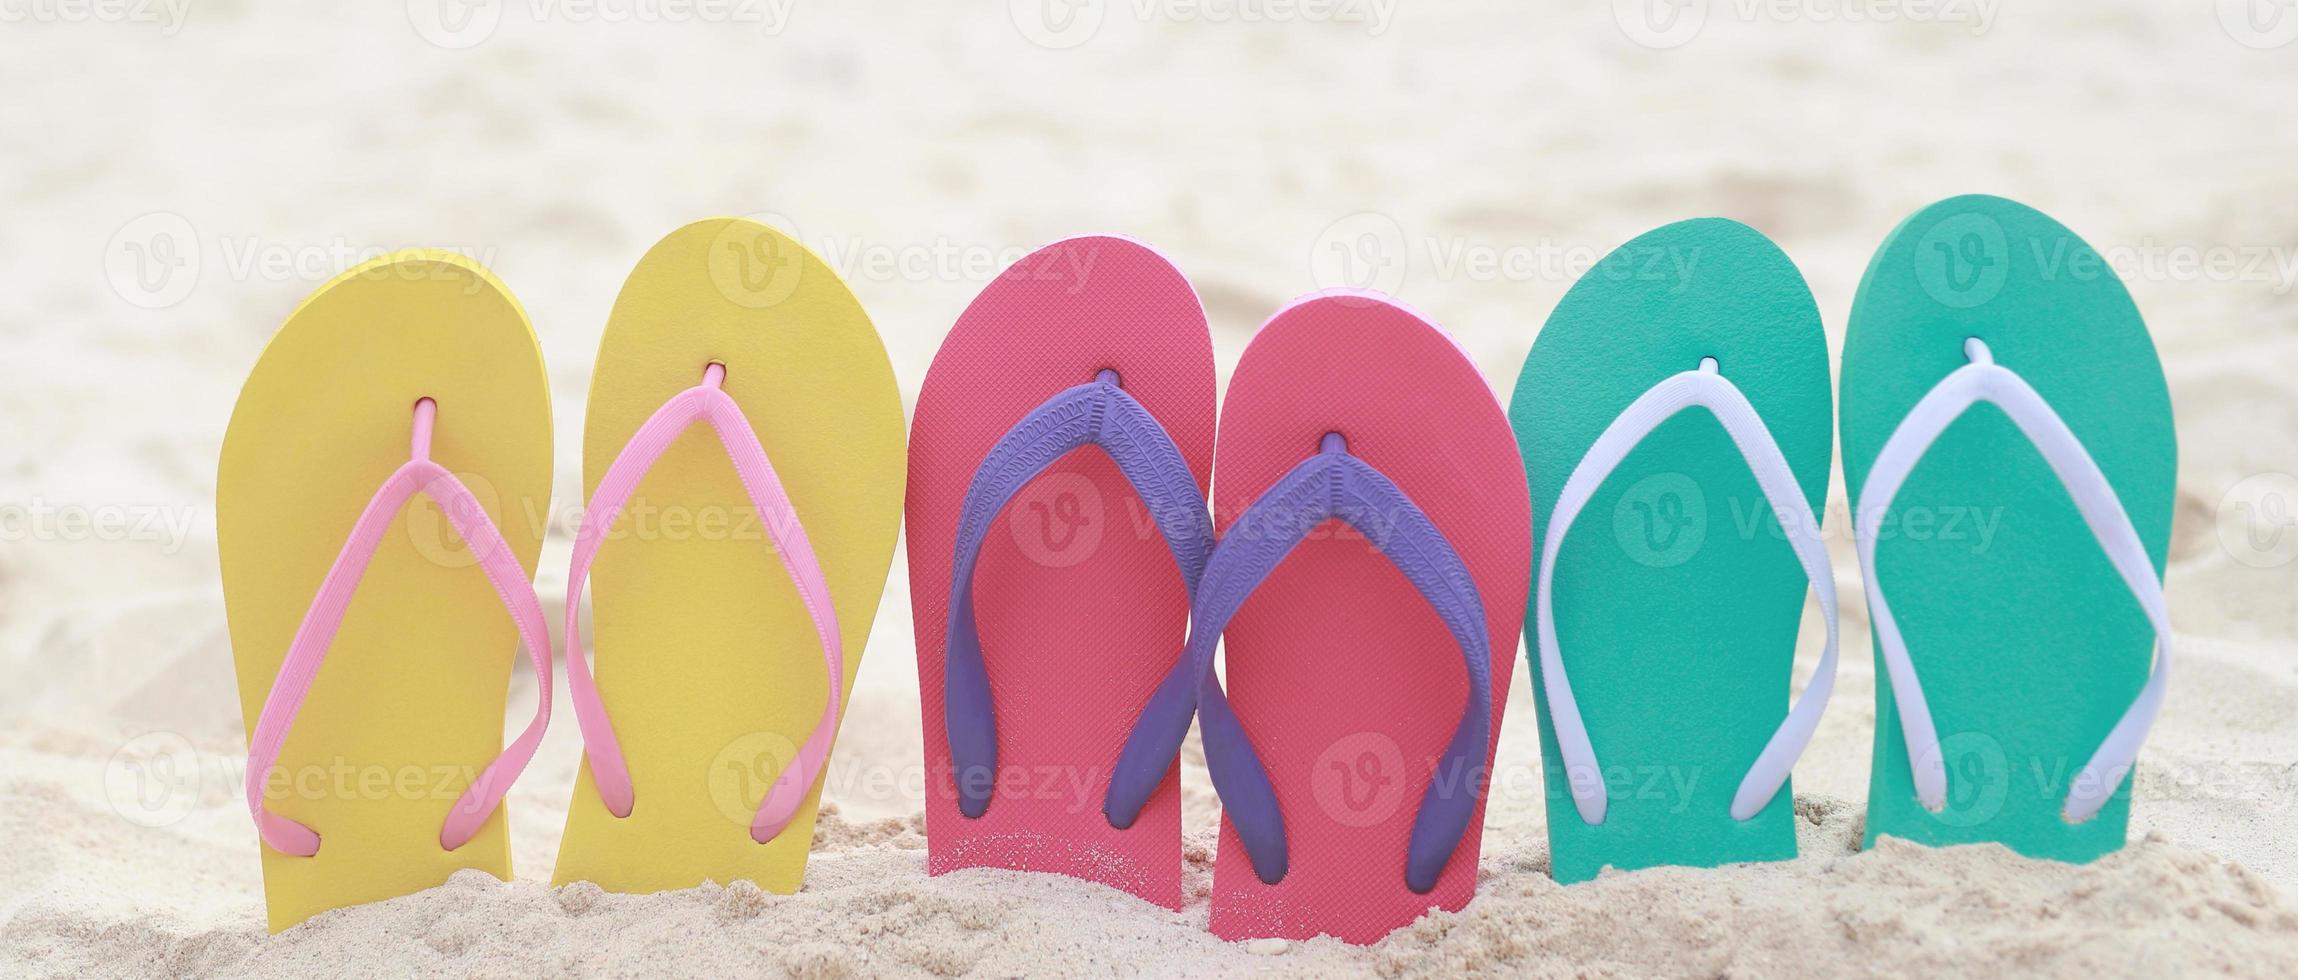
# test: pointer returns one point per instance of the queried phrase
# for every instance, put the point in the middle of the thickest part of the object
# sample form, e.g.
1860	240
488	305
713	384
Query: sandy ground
170	188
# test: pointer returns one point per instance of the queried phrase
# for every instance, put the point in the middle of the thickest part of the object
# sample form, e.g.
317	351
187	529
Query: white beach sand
1477	154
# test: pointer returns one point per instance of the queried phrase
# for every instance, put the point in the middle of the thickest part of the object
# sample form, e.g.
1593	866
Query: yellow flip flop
369	626
744	462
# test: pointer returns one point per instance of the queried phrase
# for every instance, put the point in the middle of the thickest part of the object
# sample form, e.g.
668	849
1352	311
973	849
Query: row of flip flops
1379	531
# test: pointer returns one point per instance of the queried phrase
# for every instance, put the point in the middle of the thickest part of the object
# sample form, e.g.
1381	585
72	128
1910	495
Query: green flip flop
1665	628
2007	439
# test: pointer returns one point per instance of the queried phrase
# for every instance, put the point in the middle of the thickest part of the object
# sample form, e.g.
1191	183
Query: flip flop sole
1677	598
707	663
408	707
1344	678
2028	646
1080	607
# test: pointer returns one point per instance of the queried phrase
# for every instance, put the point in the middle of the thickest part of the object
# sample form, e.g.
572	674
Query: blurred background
176	175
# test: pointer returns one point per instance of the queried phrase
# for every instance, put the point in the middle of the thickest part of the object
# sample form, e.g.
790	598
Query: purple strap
1331	484
1096	413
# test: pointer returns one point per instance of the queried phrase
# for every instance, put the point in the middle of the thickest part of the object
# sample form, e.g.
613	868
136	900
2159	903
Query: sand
1472	158
2153	909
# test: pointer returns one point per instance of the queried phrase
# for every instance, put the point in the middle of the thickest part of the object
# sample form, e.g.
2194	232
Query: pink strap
706	401
512	584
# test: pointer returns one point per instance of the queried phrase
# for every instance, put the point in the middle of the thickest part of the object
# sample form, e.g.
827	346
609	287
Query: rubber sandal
1368	581
1062	444
1674	412
743	459
2013	550
374	630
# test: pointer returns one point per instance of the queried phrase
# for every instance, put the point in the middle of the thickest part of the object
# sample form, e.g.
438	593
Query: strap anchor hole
1977	351
714	375
1707	365
1108	376
1333	443
426	413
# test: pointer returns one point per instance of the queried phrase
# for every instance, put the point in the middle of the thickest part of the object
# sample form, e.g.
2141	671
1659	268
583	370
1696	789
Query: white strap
1983	380
1707	389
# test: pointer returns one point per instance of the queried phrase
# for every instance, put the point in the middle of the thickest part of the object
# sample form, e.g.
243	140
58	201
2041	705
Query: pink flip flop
1059	456
1370	579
